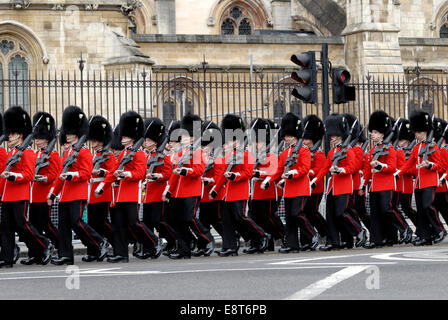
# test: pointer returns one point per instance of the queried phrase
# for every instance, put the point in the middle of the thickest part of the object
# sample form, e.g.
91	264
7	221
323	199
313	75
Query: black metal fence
169	95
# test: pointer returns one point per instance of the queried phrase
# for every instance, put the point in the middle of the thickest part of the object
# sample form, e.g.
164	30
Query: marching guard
15	188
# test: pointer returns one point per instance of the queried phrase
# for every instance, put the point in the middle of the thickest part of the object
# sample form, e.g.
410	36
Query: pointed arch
254	10
26	36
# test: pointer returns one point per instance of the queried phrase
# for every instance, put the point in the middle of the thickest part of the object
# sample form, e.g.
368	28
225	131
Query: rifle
188	155
355	141
3	138
425	151
314	148
104	155
382	150
234	160
262	158
408	149
130	156
16	157
342	153
155	161
395	144
44	160
211	162
71	159
439	143
292	159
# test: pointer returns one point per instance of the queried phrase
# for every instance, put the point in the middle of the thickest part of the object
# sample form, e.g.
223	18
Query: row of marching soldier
194	176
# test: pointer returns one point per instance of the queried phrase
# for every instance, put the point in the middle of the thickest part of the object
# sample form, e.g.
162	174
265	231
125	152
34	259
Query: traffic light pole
325	89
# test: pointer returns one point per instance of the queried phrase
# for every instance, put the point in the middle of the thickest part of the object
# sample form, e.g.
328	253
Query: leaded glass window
18	82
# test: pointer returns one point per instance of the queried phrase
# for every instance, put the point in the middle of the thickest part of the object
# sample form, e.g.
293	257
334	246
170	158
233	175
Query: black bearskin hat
174	126
46	127
439	128
291	125
131	125
261	129
231	122
420	121
16	120
155	130
351	118
314	128
209	131
405	132
74	121
381	122
116	140
337	125
100	130
188	121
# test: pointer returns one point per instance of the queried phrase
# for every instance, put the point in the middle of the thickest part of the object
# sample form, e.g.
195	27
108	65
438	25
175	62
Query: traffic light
342	92
307	76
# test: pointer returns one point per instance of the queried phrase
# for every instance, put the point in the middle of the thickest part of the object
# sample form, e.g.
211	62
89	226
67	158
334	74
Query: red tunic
341	183
129	188
40	190
154	189
268	168
109	166
3	159
237	189
425	178
78	187
19	190
383	180
217	171
359	163
299	185
191	184
317	165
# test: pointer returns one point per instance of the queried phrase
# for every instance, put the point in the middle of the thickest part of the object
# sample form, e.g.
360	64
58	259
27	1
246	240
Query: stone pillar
372	37
166	16
281	14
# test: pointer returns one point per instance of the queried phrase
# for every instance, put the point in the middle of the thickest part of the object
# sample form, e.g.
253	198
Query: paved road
401	272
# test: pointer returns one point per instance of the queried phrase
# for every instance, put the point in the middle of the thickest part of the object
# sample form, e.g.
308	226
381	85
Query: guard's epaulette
29	148
84	146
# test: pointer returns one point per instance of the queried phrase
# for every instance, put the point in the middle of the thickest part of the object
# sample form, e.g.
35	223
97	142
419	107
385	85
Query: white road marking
108	273
321	286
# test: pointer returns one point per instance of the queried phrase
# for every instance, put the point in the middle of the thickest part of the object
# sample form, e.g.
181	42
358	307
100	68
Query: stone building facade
369	37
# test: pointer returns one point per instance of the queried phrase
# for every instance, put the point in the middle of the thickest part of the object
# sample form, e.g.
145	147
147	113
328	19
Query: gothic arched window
236	20
18	82
444	31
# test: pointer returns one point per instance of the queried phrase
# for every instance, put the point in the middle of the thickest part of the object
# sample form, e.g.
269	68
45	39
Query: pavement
402	272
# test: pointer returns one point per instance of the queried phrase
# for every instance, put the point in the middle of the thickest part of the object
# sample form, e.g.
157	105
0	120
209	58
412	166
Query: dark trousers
210	215
384	217
360	208
441	204
40	218
338	218
14	218
187	218
70	217
406	207
312	213
125	222
427	216
97	215
295	218
236	219
155	218
264	213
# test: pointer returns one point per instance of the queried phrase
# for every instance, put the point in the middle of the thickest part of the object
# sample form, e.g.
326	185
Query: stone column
166	16
281	14
372	37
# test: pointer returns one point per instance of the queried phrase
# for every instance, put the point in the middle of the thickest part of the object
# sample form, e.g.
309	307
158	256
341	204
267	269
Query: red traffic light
341	75
303	59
